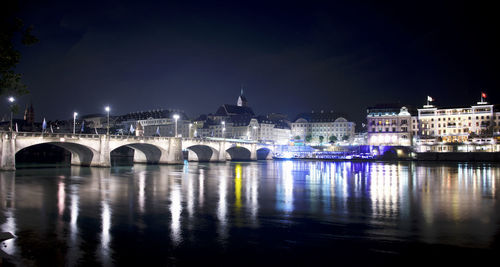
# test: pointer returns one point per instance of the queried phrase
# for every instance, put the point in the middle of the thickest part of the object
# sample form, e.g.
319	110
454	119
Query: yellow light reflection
237	186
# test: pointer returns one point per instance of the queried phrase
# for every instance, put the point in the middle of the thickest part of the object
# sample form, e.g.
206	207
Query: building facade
321	126
389	125
465	129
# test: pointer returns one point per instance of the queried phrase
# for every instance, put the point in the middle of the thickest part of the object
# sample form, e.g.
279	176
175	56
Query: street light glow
176	117
107	108
11	99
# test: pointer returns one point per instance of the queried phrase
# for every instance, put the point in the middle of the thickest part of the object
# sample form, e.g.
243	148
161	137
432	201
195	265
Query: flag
83	127
430	99
132	130
44	125
158	130
483	95
17	130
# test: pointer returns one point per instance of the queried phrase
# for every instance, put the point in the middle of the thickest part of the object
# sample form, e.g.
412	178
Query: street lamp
11	100
107	110
223	128
74	121
176	117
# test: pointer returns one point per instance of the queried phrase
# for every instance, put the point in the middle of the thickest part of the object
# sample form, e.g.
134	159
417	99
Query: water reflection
452	204
7	204
222	208
175	211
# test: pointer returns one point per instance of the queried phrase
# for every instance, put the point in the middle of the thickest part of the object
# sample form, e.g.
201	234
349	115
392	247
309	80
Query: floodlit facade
458	123
325	124
389	125
158	122
430	128
458	129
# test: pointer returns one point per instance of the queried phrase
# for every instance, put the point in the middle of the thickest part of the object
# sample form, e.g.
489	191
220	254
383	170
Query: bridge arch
264	153
239	153
144	153
80	154
204	153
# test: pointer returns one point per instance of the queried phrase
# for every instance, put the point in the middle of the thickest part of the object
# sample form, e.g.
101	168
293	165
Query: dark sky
291	56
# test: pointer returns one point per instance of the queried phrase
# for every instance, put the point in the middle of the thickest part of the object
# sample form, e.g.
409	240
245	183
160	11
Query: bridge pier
253	152
221	156
103	157
174	152
8	152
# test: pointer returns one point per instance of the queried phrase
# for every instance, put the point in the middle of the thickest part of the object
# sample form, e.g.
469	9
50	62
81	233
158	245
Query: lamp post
223	129
176	117
107	128
11	100
74	122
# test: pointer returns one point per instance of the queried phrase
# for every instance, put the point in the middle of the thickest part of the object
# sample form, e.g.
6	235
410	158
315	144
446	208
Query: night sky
291	57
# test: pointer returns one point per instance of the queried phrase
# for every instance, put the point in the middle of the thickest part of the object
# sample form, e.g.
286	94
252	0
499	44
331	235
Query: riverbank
427	156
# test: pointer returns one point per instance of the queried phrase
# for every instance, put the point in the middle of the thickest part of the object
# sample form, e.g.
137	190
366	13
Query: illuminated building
155	121
436	129
240	122
325	124
389	125
444	129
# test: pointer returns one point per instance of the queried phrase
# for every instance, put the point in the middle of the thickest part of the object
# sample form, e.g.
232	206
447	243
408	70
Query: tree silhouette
12	32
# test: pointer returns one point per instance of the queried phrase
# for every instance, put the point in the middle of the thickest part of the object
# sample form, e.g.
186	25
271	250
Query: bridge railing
127	137
133	137
53	135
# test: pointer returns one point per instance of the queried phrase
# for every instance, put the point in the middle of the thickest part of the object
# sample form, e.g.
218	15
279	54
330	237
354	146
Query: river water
253	213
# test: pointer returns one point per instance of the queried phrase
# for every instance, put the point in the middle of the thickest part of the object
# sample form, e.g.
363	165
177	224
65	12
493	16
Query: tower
29	115
242	100
139	129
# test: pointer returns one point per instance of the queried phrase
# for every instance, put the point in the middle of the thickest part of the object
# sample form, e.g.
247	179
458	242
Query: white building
389	125
466	129
322	125
157	122
474	128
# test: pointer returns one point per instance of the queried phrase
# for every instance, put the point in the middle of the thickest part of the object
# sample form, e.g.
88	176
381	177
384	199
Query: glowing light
175	211
106	225
142	186
237	185
61	196
222	208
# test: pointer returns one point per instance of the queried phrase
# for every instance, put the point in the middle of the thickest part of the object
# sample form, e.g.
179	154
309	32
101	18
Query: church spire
242	101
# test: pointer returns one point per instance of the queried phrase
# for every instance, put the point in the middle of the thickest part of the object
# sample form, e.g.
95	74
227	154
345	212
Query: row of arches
76	154
206	153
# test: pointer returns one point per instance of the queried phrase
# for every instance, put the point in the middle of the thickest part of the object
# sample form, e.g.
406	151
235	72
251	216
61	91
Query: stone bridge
95	150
